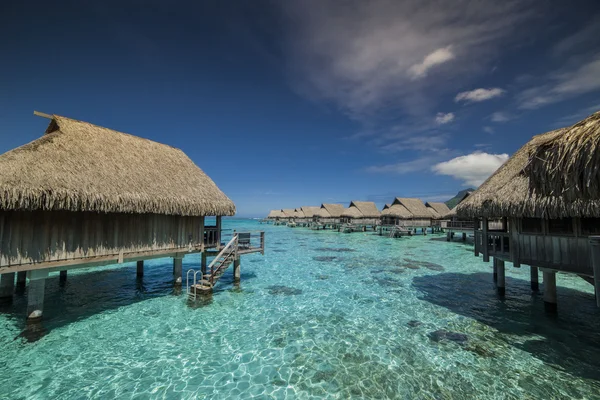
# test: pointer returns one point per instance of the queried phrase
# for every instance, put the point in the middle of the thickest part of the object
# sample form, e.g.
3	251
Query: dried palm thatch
288	212
397	211
309	211
568	165
77	166
438	209
554	175
367	209
415	206
352	212
298	213
275	214
385	207
334	210
323	213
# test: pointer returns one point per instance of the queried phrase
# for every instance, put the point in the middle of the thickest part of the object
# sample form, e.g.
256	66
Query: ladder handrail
229	248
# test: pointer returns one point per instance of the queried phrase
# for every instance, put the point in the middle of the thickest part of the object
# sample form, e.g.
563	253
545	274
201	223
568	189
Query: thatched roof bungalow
275	214
548	196
394	213
288	213
85	195
329	213
309	212
418	215
361	213
437	209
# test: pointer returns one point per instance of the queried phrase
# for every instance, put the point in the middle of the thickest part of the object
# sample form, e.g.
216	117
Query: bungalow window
532	225
560	226
590	226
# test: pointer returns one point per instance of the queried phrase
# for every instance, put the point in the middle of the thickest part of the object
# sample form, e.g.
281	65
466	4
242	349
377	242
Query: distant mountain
454	201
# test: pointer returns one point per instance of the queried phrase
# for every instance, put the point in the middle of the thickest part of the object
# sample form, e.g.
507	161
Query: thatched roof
275	214
385	207
415	206
288	212
334	210
298	213
352	212
438	209
366	209
452	213
323	213
77	166
554	175
309	212
397	211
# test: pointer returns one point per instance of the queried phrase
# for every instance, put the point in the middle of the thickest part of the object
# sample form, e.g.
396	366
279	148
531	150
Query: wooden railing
498	243
466	225
250	241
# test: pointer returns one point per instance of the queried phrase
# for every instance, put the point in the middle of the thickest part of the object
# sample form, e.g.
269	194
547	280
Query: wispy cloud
500	116
472	169
478	95
419	164
488	129
439	56
442	118
419	143
364	57
562	85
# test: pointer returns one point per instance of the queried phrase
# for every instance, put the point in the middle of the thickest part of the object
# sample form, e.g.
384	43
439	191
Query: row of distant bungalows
409	212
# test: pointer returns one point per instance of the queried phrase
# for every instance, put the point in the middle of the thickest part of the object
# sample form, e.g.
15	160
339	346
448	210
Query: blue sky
293	103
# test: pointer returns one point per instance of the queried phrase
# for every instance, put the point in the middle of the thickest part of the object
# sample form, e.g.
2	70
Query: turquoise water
321	315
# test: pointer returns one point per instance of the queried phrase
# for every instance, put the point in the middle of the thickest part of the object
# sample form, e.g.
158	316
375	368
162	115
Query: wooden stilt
35	297
62	279
177	270
7	287
533	271
500	284
595	250
140	268
550	291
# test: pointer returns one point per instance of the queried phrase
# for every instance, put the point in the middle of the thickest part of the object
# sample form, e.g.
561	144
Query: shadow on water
86	294
568	340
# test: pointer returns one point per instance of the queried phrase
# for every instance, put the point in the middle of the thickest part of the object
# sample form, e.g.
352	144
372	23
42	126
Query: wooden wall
28	237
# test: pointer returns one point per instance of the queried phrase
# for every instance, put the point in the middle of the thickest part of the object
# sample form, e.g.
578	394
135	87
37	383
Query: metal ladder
215	270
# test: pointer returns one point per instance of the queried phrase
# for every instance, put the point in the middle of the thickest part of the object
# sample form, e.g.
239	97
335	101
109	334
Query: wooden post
448	236
21	281
464	236
550	291
35	297
501	276
203	264
7	287
177	269
236	269
140	268
495	267
218	231
484	240
262	243
534	279
595	250
202	234
475	229
63	277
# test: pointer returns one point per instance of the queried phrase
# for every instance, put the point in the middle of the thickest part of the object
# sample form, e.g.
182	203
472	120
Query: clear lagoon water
321	315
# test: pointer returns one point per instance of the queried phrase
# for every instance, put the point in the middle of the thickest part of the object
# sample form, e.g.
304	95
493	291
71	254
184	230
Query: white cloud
478	95
488	129
442	118
500	116
419	143
472	169
438	57
583	78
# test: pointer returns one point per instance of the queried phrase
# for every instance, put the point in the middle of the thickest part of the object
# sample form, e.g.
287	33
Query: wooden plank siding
563	253
33	237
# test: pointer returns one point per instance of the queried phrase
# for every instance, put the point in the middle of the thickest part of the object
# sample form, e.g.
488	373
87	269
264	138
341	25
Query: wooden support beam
595	251
484	240
550	291
43	115
501	283
533	272
140	268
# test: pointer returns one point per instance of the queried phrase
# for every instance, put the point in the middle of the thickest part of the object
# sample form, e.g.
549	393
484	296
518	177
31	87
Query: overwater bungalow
329	216
546	196
390	218
438	212
361	215
310	214
86	196
417	218
287	215
299	218
453	224
274	216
